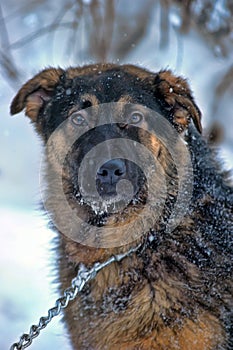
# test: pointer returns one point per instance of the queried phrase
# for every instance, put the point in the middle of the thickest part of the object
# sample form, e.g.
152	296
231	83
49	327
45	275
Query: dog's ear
36	92
173	94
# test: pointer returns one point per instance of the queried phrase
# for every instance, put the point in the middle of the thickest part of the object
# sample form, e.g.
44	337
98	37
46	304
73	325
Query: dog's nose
112	171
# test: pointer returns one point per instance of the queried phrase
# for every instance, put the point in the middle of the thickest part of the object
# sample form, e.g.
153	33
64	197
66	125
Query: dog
175	291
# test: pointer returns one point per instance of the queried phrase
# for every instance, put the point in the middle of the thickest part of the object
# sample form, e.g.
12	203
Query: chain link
83	276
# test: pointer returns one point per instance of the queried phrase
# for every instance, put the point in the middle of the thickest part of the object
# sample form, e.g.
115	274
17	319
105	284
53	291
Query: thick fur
175	292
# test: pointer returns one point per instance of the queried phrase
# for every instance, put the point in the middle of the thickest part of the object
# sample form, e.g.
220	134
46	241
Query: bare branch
6	61
45	30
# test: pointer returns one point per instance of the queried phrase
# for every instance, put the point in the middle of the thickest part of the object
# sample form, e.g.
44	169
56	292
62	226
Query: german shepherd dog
175	291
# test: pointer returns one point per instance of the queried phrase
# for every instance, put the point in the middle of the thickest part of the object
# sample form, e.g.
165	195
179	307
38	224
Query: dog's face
107	103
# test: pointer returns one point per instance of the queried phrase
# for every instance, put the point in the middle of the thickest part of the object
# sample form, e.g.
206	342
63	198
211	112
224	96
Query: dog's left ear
173	94
36	92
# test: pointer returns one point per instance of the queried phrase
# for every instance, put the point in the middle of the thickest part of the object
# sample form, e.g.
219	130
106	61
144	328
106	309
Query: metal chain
83	276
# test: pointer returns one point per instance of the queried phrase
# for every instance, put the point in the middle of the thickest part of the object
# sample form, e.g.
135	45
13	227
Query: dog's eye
78	118
135	118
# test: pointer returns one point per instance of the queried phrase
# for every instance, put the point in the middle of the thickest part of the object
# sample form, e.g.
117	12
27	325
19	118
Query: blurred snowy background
194	38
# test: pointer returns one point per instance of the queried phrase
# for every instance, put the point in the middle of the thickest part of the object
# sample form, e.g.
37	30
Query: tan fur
46	80
202	334
90	98
90	69
176	93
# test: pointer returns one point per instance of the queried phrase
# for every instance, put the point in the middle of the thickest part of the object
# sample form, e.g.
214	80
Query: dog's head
102	103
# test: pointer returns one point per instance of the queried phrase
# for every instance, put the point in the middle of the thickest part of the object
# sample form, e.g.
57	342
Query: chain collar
84	275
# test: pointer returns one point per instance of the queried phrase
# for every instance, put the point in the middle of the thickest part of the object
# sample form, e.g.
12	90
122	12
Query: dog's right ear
36	92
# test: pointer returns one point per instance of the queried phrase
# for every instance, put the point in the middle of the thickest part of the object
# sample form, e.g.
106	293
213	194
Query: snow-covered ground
26	260
27	288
